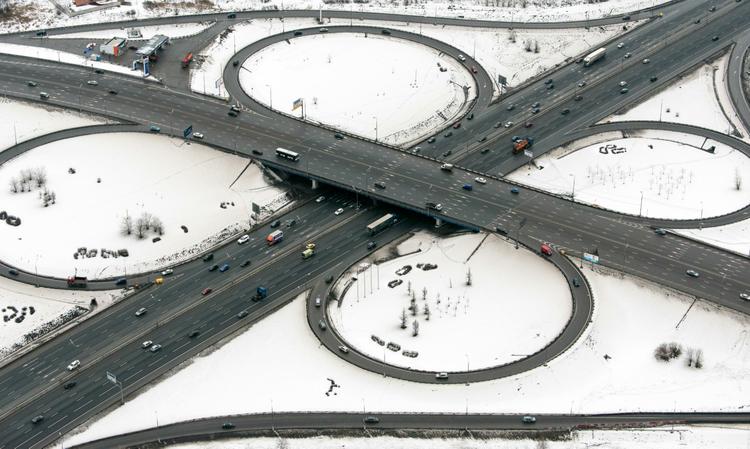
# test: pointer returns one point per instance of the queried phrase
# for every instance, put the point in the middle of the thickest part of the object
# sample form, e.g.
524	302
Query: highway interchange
625	243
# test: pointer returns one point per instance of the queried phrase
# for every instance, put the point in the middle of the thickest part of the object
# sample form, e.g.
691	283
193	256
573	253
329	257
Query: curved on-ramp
582	310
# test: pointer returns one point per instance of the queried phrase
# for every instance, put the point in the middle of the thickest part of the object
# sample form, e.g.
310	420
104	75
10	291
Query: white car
74	365
480	180
646	61
508	124
92	82
167	272
320	199
197	135
623	83
140	312
344	349
745	296
582	83
146	344
339	211
621	44
155	348
244	239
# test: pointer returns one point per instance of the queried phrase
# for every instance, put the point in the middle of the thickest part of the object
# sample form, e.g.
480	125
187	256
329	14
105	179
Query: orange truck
521	144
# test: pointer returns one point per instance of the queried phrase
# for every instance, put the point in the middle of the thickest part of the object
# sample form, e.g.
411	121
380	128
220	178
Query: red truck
77	281
186	60
275	237
522	144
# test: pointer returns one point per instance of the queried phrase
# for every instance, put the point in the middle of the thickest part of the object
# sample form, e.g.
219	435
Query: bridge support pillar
314	184
438	222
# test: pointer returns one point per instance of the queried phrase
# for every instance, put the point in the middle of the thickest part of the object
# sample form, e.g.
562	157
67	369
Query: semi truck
77	281
594	56
275	237
522	144
381	223
260	293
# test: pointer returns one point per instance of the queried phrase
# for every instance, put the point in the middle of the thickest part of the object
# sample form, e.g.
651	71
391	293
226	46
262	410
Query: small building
153	44
115	46
82	2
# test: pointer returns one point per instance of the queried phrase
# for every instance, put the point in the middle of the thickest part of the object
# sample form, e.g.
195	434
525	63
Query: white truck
594	56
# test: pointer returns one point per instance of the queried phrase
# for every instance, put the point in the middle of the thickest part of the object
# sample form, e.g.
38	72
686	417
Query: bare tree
126	226
427	312
403	318
415	328
14	185
468	276
140	228
698	359
157	225
40	176
536	46
408	287
424	293
737	179
147	218
413	307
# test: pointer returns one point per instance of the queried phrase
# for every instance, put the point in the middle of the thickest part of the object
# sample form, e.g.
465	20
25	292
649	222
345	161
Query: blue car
224	267
468	187
514	190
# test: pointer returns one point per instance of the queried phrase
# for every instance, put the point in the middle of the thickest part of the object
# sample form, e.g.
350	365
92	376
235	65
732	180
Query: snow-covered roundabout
73	196
515	305
375	86
657	174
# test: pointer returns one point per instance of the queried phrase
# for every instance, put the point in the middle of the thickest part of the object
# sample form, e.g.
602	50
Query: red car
206	291
456	125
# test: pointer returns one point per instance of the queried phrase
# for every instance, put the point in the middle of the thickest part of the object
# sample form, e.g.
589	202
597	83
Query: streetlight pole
376	128
573	193
640	209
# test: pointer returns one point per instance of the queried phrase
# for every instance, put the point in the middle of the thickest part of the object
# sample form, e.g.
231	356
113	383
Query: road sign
111	377
528	153
590	258
186	133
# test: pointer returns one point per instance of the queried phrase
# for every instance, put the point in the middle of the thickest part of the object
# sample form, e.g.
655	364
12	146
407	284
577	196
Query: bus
381	223
286	154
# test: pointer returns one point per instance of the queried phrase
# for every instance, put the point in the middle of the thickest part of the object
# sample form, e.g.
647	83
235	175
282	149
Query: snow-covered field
678	102
24	121
734	237
516	304
28	311
734	437
615	358
98	180
651	173
42	14
173	31
345	80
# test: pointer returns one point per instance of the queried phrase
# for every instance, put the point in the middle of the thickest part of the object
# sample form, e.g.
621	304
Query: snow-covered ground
173	31
24	121
345	80
734	437
29	311
68	58
651	173
615	356
516	304
98	180
29	14
734	237
679	102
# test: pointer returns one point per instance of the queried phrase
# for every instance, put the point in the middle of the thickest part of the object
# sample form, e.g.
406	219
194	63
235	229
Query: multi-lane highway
673	43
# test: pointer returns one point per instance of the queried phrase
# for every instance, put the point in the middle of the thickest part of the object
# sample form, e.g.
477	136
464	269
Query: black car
447	153
578	98
549	81
550	86
715	38
208	257
329	279
431	140
625	17
227	425
245	263
339	136
653	78
565	111
213	267
386	32
258	152
194	334
500	230
231	15
380	185
112	92
69	385
275	223
298	33
41	33
371	420
371	245
232	113
13	271
470	116
99	71
448	134
235	63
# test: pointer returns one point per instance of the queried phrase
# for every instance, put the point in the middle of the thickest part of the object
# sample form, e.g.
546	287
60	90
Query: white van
446	167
